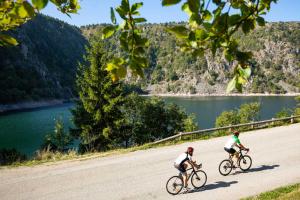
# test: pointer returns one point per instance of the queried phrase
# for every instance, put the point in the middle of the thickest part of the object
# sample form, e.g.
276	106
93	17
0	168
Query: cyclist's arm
193	163
242	146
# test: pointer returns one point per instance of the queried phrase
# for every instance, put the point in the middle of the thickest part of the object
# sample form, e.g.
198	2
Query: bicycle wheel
245	162
225	167
174	185
199	179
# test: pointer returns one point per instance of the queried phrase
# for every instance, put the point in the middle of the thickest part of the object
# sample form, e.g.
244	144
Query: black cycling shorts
180	168
231	150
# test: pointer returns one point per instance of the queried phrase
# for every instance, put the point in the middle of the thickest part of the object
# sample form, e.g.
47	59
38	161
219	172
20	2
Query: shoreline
223	95
24	106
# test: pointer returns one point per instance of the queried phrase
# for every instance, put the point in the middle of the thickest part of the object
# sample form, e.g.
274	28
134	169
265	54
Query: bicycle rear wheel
245	162
174	185
199	179
225	167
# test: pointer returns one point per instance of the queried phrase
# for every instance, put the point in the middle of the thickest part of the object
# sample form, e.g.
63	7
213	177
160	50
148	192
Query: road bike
175	183
244	163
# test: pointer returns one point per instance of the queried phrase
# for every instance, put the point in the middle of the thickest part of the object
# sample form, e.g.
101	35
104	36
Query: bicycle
175	184
244	163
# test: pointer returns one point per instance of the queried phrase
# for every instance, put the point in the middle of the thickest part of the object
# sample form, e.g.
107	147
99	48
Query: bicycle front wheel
174	185
198	179
245	162
225	167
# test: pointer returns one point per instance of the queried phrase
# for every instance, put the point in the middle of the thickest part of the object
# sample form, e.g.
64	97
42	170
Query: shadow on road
212	186
258	169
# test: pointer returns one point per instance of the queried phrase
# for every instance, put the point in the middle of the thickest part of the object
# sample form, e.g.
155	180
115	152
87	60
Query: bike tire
245	162
175	182
198	176
225	167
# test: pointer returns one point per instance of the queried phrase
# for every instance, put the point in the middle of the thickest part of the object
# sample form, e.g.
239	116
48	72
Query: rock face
275	64
43	65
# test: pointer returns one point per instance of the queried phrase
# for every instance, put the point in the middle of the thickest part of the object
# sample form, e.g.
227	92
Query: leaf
7	40
247	72
231	85
260	21
121	12
207	16
108	32
201	34
186	9
40	4
136	6
234	19
241	80
248	25
194	6
179	31
169	2
112	16
125	5
29	8
139	20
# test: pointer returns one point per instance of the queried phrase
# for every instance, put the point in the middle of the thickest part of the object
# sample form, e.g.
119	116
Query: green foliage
148	119
9	156
247	112
282	193
14	13
283	113
131	41
97	110
36	70
58	140
190	124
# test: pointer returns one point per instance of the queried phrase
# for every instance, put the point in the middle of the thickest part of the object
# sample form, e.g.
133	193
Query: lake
26	130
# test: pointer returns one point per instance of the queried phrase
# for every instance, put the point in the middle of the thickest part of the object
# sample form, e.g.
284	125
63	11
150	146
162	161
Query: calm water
26	130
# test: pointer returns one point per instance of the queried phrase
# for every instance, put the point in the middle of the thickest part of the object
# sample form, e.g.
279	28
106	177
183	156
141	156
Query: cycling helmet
236	133
190	150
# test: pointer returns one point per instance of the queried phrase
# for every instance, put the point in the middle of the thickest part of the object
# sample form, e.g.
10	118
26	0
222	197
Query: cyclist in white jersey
181	164
234	141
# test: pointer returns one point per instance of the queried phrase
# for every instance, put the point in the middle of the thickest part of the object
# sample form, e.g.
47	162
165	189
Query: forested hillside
43	65
275	65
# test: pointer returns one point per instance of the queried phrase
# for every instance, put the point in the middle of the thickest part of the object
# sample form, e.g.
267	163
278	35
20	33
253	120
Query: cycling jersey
232	141
182	158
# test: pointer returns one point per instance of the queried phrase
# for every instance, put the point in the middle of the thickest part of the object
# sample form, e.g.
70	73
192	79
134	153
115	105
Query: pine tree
97	109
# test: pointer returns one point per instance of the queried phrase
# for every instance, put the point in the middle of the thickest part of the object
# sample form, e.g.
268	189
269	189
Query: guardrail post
180	135
292	119
272	123
252	126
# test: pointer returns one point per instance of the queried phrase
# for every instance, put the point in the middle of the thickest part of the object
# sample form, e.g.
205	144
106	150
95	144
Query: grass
290	192
49	157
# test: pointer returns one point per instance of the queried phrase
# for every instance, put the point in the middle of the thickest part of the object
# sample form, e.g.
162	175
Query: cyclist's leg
183	168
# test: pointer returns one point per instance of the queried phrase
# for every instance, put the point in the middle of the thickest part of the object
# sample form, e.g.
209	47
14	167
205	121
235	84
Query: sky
98	11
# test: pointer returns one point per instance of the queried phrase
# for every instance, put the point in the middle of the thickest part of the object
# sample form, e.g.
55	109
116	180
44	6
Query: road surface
143	174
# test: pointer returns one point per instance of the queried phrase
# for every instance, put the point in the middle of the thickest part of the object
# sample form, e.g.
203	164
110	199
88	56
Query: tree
59	140
14	13
206	30
249	112
97	110
246	113
147	119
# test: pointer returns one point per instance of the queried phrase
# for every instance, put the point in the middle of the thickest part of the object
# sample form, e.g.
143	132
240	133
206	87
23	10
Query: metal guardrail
292	119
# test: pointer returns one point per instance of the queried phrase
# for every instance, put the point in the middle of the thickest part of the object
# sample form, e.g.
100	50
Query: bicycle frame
189	175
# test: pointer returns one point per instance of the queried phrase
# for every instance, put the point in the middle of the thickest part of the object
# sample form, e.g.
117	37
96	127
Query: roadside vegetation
290	192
